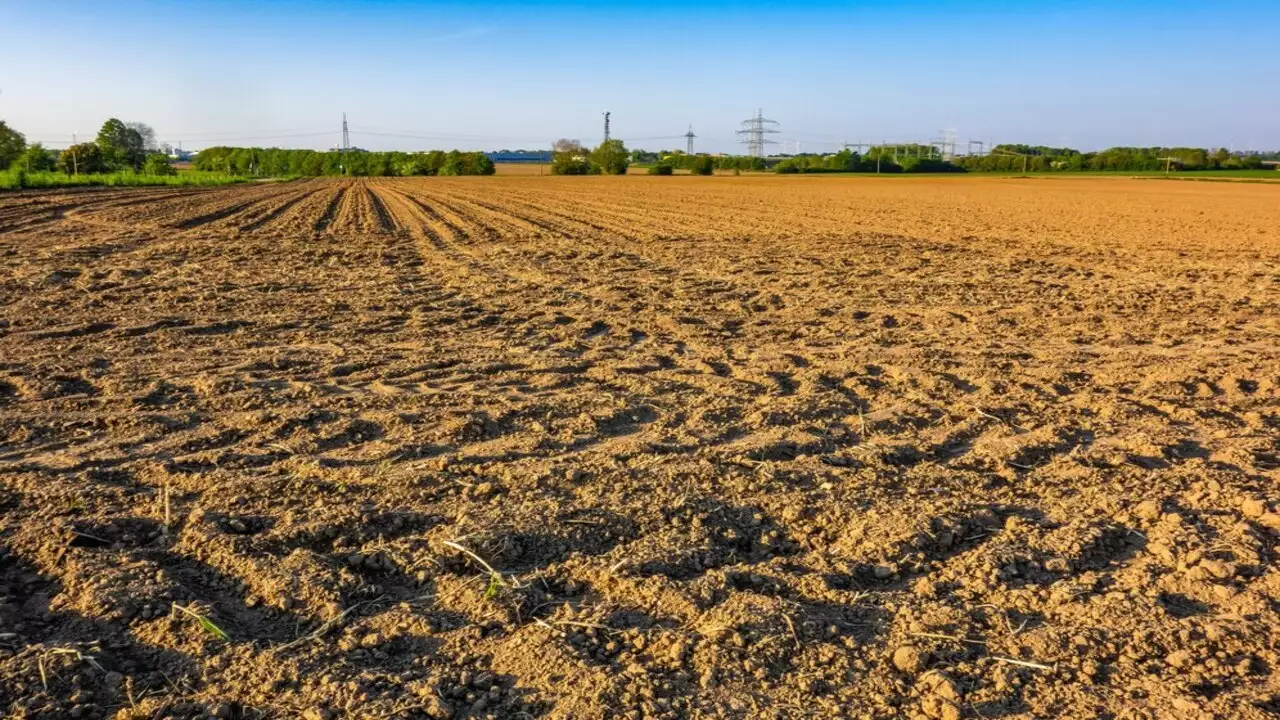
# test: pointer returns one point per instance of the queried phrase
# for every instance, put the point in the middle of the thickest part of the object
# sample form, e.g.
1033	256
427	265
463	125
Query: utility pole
346	146
689	136
947	145
754	131
75	162
606	125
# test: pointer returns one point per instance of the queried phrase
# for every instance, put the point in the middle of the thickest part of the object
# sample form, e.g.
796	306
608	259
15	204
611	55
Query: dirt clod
909	659
1254	508
1149	510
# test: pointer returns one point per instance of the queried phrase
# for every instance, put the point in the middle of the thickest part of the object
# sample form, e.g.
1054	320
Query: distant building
520	156
180	155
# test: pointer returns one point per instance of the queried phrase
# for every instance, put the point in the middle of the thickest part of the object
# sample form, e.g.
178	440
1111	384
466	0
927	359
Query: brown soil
641	447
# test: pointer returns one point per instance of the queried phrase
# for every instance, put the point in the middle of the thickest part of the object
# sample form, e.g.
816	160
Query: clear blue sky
1085	73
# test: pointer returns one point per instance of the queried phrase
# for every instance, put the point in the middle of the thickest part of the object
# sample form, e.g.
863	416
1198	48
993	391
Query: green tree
147	134
660	169
85	158
701	165
121	145
569	158
787	167
643	156
12	143
610	158
158	164
453	164
414	165
844	161
36	159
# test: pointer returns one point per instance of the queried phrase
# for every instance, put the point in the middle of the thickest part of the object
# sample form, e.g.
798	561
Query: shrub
454	164
482	165
158	164
844	161
610	158
21	178
660	169
927	165
36	159
412	166
85	159
702	165
570	163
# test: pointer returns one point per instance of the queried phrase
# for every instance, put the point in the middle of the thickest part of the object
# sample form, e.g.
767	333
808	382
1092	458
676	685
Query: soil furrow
330	212
669	447
271	212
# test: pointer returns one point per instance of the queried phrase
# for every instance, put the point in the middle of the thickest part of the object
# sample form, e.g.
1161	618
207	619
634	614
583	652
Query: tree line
1038	158
131	147
700	164
1021	158
276	162
119	146
570	157
897	159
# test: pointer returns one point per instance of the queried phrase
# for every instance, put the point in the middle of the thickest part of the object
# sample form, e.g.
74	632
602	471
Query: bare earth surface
525	447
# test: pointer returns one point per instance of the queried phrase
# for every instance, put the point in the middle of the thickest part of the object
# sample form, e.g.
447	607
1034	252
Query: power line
253	137
400	132
490	138
183	137
254	133
796	140
469	138
655	137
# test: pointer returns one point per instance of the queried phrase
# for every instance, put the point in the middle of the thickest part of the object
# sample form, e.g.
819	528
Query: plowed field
587	448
